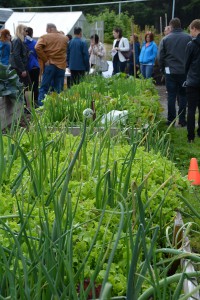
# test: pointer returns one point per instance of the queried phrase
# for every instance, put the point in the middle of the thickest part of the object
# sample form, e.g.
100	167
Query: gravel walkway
163	99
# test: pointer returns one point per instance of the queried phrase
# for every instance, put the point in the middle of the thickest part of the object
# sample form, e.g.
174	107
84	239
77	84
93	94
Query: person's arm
101	51
39	47
124	46
154	52
86	56
188	57
90	50
161	56
68	54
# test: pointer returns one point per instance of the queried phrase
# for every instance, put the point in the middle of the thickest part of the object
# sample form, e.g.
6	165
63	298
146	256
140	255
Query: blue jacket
148	54
4	52
78	56
32	58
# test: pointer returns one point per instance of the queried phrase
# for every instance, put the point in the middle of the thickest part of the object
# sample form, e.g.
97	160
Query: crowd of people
178	57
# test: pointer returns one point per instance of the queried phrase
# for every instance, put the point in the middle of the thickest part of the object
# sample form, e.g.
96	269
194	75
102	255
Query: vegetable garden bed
89	216
9	111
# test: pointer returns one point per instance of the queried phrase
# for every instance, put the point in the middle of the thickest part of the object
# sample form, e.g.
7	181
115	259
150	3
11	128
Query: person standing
171	56
120	45
148	55
96	52
33	64
78	57
134	50
51	49
69	38
19	61
192	68
5	47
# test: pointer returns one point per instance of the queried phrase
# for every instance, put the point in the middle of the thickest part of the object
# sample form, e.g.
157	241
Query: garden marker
193	173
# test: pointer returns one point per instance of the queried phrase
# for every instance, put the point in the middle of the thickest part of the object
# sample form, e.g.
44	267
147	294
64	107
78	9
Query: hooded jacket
192	62
4	52
18	55
148	53
171	52
32	58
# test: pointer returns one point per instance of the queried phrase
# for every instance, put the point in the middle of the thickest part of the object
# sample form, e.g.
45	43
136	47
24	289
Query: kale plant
9	84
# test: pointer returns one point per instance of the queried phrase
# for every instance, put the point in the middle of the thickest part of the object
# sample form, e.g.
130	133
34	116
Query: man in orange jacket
51	49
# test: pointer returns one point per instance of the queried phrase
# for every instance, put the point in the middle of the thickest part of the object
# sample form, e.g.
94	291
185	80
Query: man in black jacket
171	56
192	68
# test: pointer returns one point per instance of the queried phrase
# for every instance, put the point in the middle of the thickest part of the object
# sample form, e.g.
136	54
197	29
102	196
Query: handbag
126	54
104	66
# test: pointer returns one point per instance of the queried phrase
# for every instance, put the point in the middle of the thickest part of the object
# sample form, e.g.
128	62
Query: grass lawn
181	154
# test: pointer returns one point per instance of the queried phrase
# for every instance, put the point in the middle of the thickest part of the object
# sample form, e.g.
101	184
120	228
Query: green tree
111	20
145	13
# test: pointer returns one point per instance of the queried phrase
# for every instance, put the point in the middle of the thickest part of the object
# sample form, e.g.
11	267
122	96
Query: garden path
163	99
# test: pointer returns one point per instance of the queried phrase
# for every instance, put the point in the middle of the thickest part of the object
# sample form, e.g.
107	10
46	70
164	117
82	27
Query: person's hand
24	74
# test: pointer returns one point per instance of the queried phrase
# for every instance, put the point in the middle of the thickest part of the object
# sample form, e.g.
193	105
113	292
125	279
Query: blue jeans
146	70
118	67
53	77
174	85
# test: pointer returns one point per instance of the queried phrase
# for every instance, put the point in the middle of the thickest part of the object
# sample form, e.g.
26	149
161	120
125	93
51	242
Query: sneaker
190	141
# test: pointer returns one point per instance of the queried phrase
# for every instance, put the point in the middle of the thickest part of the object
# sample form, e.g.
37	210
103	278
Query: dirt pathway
163	99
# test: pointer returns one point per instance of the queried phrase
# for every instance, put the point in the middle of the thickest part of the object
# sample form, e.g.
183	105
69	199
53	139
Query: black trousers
76	76
193	99
34	75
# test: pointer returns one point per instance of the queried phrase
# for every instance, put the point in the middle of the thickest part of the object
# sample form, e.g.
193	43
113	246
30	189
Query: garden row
91	216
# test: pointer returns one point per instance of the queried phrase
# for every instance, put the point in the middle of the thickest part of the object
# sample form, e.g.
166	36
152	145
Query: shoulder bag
104	66
126	54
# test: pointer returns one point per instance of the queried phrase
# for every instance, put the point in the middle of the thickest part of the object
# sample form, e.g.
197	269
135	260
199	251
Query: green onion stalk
87	113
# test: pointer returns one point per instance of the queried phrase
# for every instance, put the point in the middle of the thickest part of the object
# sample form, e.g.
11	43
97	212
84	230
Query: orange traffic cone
193	173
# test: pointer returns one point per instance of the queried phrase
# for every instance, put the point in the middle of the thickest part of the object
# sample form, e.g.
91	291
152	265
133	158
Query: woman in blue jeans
148	55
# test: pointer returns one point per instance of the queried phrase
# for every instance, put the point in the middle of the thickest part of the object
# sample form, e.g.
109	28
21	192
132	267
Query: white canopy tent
64	21
5	13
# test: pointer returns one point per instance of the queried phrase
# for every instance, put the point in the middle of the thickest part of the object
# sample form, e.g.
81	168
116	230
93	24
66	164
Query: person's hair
175	23
195	24
19	33
95	37
69	36
136	39
77	30
150	34
3	35
29	31
51	25
118	30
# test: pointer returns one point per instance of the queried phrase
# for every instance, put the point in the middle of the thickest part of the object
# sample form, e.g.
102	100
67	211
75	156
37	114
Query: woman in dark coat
19	60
